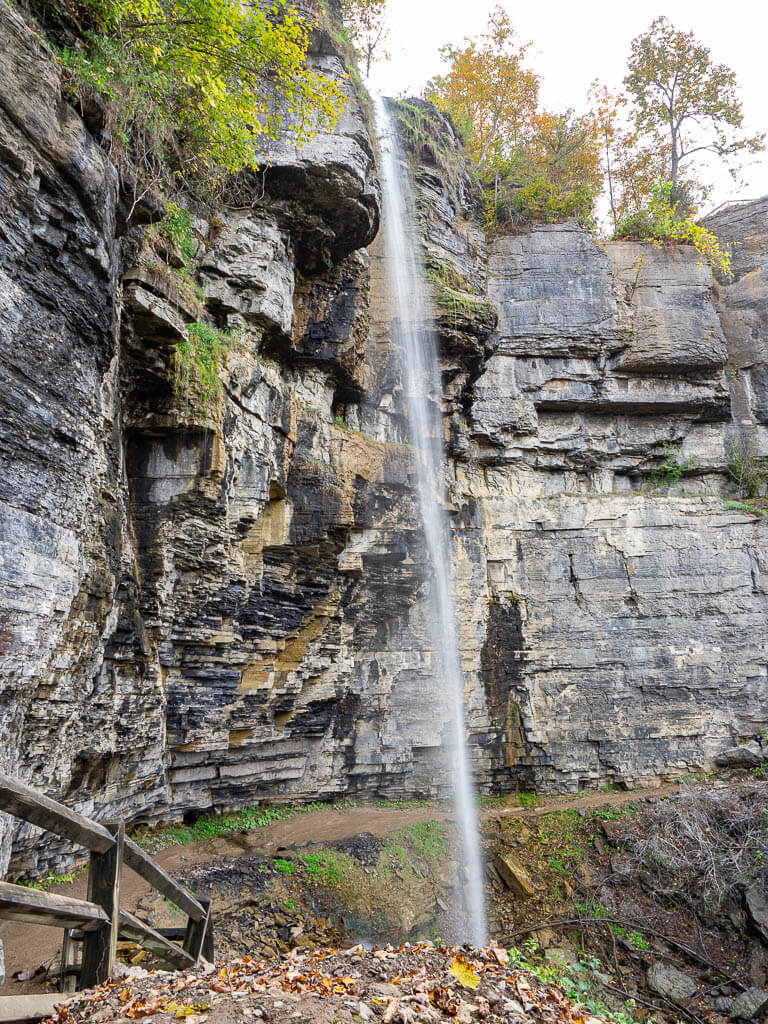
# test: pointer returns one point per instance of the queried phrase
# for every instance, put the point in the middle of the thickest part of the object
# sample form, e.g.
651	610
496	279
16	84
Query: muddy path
28	946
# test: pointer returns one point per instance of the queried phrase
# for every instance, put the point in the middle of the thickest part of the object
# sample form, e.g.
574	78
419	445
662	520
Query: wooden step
36	1007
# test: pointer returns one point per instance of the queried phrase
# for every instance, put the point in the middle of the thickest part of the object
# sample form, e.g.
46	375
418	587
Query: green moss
454	295
426	138
176	227
195	365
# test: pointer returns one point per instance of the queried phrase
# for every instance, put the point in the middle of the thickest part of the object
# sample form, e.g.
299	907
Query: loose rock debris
404	985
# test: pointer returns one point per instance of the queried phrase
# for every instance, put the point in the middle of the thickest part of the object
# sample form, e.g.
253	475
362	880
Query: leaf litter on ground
396	985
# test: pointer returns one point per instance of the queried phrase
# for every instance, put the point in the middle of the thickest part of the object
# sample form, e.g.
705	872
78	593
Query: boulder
750	1004
514	875
745	755
671	983
756	902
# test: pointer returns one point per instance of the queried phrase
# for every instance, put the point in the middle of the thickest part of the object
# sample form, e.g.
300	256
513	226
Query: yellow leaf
461	970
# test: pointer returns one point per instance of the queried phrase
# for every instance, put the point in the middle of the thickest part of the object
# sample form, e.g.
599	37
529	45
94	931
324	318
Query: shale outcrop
206	605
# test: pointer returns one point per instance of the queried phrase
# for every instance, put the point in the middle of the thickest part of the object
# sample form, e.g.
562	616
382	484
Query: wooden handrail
100	917
140	862
132	928
18	903
26	803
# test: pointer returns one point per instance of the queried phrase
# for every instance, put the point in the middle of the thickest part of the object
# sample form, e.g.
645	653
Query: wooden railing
98	922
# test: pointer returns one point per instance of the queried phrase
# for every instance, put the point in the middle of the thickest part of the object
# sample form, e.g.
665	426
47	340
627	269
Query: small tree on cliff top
366	23
630	168
491	96
683	100
534	164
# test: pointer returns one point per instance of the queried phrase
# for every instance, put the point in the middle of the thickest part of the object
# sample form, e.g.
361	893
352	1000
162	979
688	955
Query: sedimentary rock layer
211	604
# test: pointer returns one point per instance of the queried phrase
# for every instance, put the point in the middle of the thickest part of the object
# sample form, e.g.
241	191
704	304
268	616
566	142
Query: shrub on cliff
665	219
195	88
534	165
555	175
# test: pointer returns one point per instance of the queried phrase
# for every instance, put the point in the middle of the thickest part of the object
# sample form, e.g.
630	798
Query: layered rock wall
211	604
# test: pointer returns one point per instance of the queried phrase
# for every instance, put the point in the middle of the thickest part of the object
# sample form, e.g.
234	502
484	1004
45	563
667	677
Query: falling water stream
423	391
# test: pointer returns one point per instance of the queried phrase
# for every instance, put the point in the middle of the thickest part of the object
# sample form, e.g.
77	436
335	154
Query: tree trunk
675	159
610	184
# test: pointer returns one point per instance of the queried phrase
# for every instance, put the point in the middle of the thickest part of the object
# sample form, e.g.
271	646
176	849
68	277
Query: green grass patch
425	839
595	911
329	867
51	881
211	826
748	507
560	830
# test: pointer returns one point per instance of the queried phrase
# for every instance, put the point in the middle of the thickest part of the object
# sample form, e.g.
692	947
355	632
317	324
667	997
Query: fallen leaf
391	1010
461	970
444	1000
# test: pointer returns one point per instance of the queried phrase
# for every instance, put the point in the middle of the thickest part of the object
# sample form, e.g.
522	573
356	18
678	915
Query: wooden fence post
100	945
67	981
199	938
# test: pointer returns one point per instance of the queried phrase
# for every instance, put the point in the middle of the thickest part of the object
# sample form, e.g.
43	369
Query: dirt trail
27	946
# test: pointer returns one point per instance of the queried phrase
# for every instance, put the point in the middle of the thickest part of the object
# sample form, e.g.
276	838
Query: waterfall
423	391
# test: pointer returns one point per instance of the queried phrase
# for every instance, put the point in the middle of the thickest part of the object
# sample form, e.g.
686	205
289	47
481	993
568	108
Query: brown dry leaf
444	1000
139	1009
501	954
392	1008
125	995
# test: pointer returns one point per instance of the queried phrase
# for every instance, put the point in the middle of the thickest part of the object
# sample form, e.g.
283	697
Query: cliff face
212	607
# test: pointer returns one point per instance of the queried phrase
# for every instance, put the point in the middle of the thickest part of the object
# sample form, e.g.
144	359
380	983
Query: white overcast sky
575	42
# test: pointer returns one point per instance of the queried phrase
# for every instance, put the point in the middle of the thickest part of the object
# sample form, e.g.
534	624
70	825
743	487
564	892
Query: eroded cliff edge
211	610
